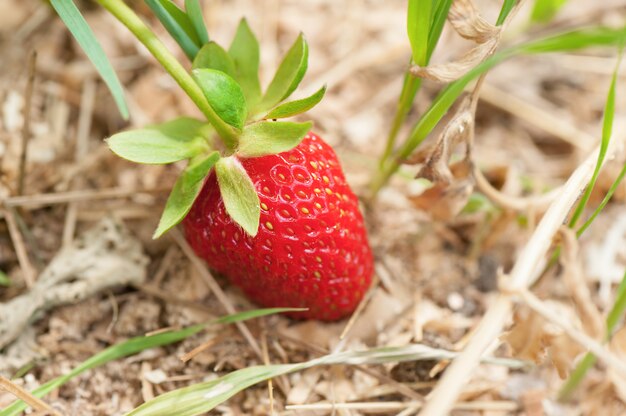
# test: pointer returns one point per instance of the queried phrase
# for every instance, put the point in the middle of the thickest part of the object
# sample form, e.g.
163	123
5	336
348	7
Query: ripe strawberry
311	249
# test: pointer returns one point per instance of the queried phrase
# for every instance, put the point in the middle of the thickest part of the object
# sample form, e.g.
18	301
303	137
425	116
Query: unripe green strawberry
311	248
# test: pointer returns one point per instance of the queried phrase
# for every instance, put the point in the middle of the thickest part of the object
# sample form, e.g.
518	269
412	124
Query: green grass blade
418	28
604	202
135	345
567	41
440	14
69	13
507	6
607	131
194	11
545	10
178	24
203	397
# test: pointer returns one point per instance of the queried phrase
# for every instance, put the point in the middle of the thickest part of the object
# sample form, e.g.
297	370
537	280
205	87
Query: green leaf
440	14
4	279
177	24
269	137
289	74
202	397
240	198
293	108
69	13
545	10
507	6
213	56
185	192
223	94
607	131
169	142
418	27
134	346
245	53
194	11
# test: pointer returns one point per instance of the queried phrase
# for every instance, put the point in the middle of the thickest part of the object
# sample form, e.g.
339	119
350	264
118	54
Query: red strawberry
311	249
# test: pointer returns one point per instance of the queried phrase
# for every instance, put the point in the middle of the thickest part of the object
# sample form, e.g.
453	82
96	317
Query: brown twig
30	274
28	99
42	200
22	394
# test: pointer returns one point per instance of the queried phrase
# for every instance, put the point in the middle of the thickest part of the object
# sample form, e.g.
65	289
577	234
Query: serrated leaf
268	137
223	94
185	192
289	74
245	53
169	142
69	13
194	11
293	108
418	27
178	25
213	56
240	198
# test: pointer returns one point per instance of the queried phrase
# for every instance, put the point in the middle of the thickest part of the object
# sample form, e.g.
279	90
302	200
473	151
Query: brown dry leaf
444	202
527	337
467	21
534	338
451	71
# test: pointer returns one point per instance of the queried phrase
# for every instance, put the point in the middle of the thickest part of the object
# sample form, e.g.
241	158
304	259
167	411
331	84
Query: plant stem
130	19
409	90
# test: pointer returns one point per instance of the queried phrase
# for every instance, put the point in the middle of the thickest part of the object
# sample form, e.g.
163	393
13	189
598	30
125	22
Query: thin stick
42	200
28	98
28	270
266	361
535	202
216	289
34	402
373	406
526	270
580	337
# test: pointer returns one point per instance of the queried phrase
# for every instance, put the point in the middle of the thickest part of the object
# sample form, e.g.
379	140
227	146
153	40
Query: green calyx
229	81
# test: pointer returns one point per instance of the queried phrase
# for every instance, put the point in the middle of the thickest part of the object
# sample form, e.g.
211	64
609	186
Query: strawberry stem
130	19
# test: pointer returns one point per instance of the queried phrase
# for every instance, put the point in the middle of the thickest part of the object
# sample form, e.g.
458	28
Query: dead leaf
533	338
467	22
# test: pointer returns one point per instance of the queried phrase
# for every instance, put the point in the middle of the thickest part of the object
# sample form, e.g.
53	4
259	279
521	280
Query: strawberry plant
263	201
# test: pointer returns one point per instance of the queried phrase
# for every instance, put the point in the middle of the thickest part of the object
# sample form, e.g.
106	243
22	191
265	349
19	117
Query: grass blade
70	15
507	6
133	346
545	10
607	130
418	26
202	397
4	279
177	24
194	11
